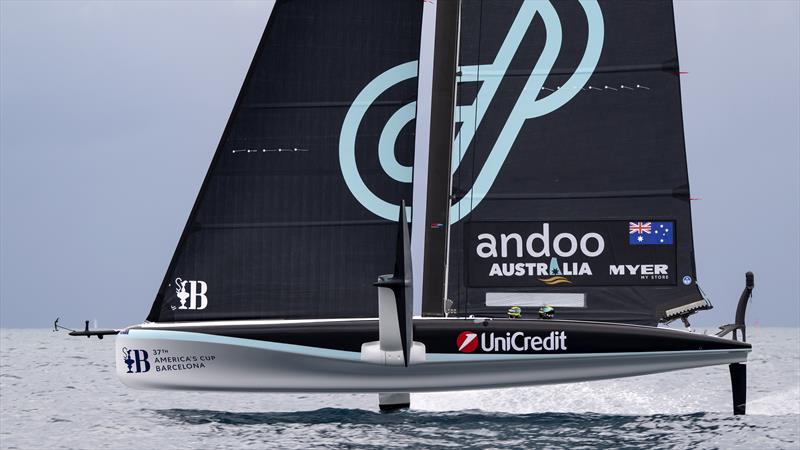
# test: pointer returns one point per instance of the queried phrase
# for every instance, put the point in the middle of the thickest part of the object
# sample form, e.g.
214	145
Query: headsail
570	177
278	229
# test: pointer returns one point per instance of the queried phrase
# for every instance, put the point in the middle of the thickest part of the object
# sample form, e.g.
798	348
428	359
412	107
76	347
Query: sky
110	113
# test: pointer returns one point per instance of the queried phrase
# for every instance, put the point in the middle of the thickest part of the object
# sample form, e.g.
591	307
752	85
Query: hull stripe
226	340
430	357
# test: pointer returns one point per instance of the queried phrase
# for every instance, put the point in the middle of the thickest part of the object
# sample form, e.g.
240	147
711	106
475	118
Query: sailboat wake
366	429
684	409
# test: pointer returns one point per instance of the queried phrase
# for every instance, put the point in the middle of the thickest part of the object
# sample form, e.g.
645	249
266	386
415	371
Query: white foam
773	388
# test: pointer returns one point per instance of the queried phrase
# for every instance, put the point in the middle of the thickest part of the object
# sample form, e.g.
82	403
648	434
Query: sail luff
686	193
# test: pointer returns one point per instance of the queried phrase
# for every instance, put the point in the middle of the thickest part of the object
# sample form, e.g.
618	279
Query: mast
440	147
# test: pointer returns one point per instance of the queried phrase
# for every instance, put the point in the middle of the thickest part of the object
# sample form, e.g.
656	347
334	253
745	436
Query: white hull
196	361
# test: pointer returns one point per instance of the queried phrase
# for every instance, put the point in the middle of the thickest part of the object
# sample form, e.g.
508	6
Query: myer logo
196	294
135	359
467	342
638	269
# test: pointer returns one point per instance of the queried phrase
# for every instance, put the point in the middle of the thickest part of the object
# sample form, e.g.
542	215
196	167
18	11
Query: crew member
547	312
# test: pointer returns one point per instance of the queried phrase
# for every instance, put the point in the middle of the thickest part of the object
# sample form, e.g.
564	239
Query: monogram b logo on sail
196	294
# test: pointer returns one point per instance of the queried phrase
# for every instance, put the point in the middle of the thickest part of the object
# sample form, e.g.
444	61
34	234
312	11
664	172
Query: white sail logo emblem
529	105
196	294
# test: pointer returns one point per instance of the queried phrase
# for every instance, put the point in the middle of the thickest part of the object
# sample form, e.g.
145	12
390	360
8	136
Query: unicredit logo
467	341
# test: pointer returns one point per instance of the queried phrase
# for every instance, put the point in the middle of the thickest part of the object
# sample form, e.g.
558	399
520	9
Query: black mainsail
569	181
571	185
279	229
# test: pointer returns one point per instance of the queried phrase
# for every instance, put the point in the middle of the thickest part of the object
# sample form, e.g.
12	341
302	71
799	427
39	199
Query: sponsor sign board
577	253
511	341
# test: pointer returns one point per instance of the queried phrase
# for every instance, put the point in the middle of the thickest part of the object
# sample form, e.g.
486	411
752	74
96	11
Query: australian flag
651	233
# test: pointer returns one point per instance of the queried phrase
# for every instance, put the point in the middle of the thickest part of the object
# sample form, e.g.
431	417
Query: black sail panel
572	188
296	217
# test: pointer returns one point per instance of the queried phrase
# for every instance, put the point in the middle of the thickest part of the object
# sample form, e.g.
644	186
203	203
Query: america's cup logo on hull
529	105
136	360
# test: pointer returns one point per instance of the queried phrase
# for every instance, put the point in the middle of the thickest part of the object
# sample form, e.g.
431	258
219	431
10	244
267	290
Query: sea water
58	391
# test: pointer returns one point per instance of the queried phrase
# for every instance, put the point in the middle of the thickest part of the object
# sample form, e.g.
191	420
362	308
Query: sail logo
562	254
135	359
529	105
540	245
518	341
196	294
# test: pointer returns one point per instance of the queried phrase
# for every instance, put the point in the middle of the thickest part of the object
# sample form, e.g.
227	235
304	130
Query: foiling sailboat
540	147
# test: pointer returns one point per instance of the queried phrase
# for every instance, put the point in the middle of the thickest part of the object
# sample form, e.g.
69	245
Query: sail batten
677	192
341	104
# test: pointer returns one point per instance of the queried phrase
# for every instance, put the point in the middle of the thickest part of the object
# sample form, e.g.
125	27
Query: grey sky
110	113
